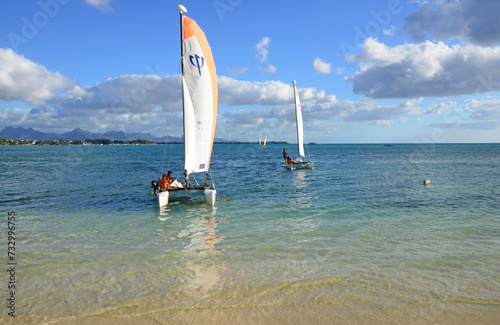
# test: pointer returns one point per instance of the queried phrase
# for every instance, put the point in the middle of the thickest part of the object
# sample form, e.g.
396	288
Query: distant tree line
7	142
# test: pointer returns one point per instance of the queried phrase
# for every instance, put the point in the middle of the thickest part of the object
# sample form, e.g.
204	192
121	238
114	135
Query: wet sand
297	313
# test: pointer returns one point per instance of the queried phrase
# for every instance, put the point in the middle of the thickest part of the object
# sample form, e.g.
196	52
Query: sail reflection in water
200	249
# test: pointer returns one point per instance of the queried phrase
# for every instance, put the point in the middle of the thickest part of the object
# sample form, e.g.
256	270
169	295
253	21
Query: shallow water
357	239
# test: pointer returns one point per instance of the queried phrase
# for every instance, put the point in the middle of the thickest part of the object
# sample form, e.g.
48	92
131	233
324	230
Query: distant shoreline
97	142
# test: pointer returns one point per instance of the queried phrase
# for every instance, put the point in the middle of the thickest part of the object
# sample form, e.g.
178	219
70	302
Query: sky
368	71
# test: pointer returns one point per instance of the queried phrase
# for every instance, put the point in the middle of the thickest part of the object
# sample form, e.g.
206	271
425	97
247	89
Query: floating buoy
427	182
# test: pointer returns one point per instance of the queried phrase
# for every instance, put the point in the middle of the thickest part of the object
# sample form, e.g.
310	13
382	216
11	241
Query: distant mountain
26	134
19	133
78	134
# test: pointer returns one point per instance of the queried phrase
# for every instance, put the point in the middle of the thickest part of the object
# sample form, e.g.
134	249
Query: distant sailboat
299	162
199	99
265	141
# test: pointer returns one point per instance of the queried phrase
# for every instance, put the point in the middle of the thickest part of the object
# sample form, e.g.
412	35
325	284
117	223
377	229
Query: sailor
285	154
164	182
155	186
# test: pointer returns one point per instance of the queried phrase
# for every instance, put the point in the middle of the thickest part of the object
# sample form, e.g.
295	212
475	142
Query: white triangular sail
265	140
300	127
199	97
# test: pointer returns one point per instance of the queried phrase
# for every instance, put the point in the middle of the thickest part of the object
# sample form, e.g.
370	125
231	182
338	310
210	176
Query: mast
182	9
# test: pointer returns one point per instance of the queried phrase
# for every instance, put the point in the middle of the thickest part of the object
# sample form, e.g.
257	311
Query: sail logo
200	62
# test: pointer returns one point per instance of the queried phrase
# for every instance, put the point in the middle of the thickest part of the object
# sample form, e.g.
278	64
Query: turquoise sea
357	240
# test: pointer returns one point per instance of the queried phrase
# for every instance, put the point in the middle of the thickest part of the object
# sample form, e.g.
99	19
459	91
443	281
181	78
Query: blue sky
387	71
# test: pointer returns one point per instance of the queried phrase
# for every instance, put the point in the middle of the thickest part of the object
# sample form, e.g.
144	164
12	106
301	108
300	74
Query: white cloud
261	47
150	103
383	113
262	54
482	125
439	108
425	70
22	79
237	71
389	31
322	67
269	69
475	20
103	5
484	109
234	92
385	123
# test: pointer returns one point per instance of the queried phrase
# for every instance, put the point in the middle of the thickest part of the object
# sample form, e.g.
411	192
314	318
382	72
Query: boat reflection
202	252
164	213
302	193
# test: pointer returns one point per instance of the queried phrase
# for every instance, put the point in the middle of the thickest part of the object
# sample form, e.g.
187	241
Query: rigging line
211	178
156	170
196	181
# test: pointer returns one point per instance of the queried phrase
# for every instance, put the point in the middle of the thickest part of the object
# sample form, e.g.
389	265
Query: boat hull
163	198
301	165
209	193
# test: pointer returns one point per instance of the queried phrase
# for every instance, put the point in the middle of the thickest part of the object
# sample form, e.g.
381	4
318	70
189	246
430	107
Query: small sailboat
265	141
199	101
300	162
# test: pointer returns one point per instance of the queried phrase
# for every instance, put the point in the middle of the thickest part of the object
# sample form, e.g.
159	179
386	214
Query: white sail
265	140
199	97
300	127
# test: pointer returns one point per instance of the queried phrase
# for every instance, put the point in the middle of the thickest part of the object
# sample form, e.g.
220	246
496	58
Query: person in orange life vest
290	160
165	181
285	154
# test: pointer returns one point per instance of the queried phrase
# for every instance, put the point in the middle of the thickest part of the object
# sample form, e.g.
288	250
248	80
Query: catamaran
300	162
199	101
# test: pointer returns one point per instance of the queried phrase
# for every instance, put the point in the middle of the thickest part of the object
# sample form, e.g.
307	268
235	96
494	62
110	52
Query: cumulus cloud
239	93
150	103
22	79
273	101
473	20
425	70
381	114
103	5
132	101
322	67
484	109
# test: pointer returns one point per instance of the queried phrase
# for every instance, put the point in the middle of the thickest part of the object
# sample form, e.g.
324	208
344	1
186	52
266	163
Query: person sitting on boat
290	160
169	183
165	181
155	186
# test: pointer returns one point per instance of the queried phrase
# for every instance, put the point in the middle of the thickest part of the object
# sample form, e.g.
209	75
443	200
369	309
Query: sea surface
357	240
